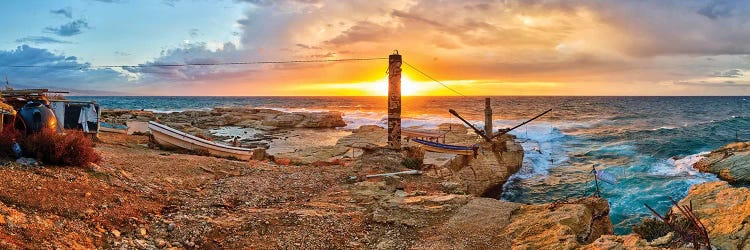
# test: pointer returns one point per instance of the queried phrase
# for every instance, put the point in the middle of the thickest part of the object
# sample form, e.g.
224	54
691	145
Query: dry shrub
7	137
651	228
70	149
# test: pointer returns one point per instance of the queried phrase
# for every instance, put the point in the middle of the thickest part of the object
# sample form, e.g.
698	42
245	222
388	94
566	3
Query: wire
431	78
194	64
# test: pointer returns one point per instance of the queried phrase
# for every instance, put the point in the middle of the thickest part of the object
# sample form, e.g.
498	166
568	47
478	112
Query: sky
477	47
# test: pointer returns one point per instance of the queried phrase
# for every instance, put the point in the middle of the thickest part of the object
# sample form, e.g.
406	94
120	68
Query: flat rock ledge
730	163
450	221
263	119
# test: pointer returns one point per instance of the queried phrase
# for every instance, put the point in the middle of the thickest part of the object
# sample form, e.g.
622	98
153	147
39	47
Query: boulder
484	223
724	211
729	163
559	226
485	175
630	241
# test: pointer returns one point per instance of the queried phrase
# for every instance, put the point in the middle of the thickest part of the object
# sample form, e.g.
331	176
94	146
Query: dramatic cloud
563	47
69	29
55	71
190	54
67	12
575	46
40	40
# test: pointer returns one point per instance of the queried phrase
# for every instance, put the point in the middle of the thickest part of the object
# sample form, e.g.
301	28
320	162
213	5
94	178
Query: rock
453	187
610	242
724	210
159	242
171	227
477	225
729	162
564	226
115	232
485	175
259	154
29	162
142	231
666	239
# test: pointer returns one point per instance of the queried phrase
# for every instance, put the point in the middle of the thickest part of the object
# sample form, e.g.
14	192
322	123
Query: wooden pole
477	131
394	100
487	117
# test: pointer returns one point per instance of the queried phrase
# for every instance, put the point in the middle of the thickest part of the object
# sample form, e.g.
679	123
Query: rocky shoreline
312	196
730	163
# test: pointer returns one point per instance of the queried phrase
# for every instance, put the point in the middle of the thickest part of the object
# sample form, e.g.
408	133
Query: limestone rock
565	226
611	242
725	211
730	162
485	175
477	225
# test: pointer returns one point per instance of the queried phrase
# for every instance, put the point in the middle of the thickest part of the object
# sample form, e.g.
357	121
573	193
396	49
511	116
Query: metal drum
36	116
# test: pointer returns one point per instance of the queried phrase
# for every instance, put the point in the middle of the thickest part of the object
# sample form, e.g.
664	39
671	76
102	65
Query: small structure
6	114
38	111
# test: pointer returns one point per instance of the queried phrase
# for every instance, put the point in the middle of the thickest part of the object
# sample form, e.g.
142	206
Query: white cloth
88	114
59	109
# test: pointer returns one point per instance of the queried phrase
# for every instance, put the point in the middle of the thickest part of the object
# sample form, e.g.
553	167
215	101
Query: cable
194	64
443	84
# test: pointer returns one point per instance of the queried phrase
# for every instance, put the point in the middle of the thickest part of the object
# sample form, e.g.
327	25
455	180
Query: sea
647	143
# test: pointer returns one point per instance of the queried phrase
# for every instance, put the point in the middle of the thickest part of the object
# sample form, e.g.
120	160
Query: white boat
173	138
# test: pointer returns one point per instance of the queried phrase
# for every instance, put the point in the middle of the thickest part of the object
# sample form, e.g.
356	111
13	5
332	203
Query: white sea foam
678	167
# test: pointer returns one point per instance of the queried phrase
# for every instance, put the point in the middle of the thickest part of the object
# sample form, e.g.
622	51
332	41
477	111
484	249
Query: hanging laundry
88	114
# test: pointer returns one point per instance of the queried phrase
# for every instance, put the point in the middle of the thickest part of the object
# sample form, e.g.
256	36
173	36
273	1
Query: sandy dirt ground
145	198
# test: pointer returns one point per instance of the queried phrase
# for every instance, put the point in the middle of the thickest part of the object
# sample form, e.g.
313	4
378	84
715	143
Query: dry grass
70	149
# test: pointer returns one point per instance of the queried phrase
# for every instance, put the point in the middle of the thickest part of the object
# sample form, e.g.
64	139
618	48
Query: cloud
362	31
67	12
40	40
579	44
170	3
714	84
716	9
194	32
732	73
150	72
56	71
69	29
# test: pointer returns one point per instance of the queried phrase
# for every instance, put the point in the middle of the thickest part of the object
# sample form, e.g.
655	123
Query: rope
431	78
195	64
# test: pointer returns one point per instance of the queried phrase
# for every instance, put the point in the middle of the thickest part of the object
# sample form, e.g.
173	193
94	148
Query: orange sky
478	47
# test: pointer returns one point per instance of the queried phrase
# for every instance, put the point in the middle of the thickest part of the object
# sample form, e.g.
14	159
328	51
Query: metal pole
487	117
394	100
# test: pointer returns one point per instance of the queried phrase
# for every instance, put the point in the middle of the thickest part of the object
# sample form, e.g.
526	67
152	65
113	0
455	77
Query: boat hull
171	138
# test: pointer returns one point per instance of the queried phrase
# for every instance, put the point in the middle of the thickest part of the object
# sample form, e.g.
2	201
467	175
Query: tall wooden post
487	117
394	100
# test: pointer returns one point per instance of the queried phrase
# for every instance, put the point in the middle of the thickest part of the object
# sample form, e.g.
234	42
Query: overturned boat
173	138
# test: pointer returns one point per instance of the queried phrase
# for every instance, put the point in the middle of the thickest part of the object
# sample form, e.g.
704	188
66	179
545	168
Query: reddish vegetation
7	138
72	148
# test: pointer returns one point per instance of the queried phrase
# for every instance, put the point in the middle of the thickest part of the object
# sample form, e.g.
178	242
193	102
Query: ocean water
648	143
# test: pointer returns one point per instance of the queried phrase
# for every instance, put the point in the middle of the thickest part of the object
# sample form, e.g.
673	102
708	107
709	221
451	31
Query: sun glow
409	87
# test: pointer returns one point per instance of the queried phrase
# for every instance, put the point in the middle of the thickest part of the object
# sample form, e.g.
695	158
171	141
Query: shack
36	111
